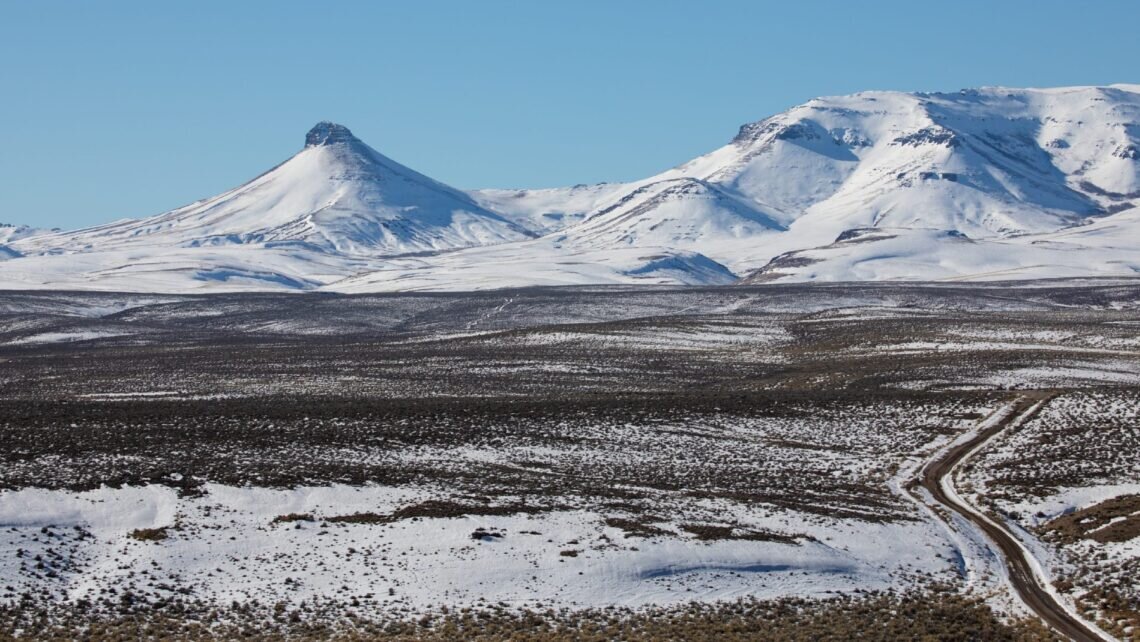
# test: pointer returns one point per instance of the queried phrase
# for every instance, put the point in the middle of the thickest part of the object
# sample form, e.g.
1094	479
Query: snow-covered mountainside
337	194
978	184
540	262
10	232
1107	246
548	210
986	163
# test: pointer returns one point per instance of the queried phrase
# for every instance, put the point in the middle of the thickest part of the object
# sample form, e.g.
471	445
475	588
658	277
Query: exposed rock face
929	136
326	133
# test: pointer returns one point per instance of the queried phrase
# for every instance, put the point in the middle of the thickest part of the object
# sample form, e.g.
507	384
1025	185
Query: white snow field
984	184
225	546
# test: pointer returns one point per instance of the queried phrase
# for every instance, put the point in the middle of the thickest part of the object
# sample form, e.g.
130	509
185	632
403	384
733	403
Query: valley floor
566	462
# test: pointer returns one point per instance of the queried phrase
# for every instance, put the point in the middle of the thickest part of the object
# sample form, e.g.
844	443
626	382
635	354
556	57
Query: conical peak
326	133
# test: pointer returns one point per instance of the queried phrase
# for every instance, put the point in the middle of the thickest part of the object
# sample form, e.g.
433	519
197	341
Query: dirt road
937	479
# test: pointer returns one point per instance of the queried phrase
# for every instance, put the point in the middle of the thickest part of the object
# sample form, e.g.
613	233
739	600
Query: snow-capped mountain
337	195
684	213
987	183
986	163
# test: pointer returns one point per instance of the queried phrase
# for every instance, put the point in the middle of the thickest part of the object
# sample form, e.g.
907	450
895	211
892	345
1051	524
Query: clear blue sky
116	109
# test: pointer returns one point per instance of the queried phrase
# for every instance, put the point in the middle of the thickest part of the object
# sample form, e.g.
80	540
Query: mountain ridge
999	167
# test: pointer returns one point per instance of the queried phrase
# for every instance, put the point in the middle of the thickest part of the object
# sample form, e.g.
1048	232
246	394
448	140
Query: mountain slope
336	195
1105	246
10	233
547	210
977	184
683	213
541	262
986	163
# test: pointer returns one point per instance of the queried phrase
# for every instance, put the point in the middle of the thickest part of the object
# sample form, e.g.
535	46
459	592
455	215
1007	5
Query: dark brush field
668	443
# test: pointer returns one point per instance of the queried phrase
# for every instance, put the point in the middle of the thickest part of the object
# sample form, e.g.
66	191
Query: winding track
937	478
